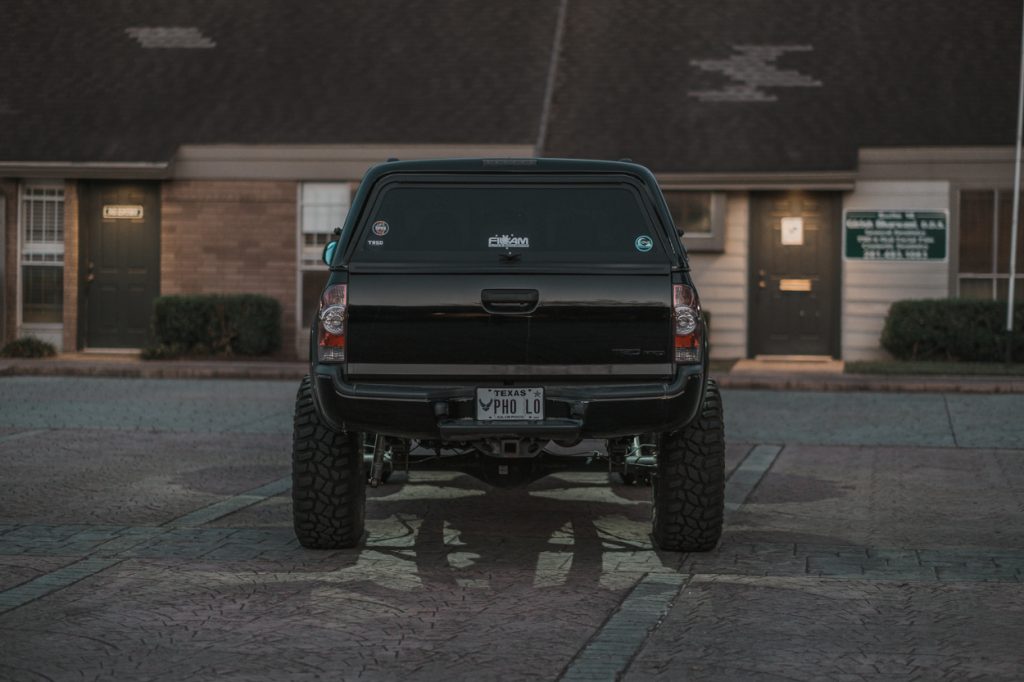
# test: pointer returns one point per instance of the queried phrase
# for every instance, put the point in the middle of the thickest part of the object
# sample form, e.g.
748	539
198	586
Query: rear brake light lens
331	325
686	320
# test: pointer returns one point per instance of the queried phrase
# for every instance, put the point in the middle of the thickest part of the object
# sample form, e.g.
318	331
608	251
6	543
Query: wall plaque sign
122	212
793	231
896	235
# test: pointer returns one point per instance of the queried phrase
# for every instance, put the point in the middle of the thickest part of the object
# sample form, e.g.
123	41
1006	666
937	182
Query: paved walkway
145	533
746	374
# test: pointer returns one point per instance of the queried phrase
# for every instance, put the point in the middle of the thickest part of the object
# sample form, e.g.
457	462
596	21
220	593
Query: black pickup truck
491	307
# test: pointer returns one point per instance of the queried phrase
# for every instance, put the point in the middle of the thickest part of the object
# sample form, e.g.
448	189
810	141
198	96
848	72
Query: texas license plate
506	404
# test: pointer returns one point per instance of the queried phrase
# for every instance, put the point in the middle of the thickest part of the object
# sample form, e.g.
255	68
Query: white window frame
49	331
994	276
305	259
699	242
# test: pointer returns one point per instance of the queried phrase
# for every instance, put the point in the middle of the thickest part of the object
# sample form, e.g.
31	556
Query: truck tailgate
504	326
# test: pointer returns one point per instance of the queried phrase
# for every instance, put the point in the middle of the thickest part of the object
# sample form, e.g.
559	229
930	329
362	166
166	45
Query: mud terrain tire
689	489
328	480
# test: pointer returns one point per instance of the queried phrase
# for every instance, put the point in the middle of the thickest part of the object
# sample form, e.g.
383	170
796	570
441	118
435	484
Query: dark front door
120	263
794	278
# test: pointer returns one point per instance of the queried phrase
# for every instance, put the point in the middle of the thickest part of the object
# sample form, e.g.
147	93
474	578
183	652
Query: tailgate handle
510	300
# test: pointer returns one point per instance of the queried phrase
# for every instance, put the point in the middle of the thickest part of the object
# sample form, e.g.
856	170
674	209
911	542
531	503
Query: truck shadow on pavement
441	529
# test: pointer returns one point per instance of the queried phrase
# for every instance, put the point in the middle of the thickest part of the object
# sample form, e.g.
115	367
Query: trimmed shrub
219	324
28	347
951	329
253	324
183	321
163	352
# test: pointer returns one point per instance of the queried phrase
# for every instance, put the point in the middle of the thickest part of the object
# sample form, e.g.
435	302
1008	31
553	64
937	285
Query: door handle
510	301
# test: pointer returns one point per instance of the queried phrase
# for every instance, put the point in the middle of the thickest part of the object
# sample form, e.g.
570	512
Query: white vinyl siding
870	287
721	280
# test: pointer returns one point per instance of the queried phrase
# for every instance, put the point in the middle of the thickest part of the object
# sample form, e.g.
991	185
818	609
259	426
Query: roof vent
173	37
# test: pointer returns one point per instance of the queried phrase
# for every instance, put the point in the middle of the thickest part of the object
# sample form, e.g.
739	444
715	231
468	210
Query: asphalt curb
294	371
873	383
156	369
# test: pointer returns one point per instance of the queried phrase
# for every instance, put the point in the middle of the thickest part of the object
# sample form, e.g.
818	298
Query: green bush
219	324
28	347
952	329
163	352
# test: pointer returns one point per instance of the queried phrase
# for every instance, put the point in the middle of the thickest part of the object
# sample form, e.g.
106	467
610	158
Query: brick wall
71	231
231	237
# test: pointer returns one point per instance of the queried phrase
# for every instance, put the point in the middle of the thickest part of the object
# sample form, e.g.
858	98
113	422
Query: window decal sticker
381	228
644	243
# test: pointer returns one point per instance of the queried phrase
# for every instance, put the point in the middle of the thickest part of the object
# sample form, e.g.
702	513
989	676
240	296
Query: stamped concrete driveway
145	534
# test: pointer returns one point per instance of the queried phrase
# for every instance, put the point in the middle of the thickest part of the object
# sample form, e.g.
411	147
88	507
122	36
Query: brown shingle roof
699	86
82	87
635	77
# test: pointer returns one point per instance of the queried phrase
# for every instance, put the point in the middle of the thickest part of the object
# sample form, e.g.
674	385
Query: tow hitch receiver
639	463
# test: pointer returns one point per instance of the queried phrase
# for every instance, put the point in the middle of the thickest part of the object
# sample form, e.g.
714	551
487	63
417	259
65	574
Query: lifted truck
489	307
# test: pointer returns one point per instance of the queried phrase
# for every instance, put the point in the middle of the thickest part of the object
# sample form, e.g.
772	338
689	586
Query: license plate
506	404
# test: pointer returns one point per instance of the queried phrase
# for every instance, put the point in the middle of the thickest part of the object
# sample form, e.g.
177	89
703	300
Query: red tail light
332	320
686	320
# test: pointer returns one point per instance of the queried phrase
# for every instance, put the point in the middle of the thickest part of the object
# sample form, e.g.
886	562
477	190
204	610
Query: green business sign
896	235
